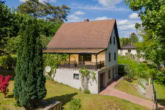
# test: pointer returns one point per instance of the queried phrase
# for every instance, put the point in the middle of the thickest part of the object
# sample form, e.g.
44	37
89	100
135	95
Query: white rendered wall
124	52
112	48
65	76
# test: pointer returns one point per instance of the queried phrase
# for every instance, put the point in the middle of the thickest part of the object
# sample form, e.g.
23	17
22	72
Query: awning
73	51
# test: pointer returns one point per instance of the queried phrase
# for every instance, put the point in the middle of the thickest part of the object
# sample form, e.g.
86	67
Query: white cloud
126	27
96	7
73	17
123	22
109	3
133	16
79	13
102	18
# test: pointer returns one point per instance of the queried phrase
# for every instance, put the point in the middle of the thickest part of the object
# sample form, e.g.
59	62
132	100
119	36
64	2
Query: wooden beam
96	61
69	60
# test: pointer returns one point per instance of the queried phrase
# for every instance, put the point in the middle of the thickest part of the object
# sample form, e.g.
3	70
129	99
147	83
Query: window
110	40
109	74
85	57
114	40
109	57
129	51
76	76
115	56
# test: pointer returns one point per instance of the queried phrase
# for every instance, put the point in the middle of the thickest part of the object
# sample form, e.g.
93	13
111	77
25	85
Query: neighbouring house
127	49
90	44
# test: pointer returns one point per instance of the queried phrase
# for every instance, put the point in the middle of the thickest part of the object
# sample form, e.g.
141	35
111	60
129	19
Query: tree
29	87
31	7
152	15
37	9
2	1
129	40
56	13
133	38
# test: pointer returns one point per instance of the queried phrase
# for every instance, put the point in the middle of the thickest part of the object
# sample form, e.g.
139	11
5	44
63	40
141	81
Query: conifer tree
29	86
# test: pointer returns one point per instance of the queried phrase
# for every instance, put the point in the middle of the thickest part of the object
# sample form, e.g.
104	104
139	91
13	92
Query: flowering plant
4	83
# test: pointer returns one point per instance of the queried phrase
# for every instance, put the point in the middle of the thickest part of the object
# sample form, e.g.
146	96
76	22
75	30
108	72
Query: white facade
124	52
103	76
65	76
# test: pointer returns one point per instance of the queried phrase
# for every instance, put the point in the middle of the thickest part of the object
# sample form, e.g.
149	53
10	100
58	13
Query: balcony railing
89	65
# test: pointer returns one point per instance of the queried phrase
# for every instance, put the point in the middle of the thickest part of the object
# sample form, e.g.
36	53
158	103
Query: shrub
8	61
4	83
75	104
86	91
121	70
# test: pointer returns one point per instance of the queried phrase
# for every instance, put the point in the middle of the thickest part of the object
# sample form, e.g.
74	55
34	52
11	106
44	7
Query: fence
154	98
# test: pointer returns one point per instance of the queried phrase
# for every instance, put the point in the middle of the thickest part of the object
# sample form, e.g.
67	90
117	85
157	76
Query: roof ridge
90	21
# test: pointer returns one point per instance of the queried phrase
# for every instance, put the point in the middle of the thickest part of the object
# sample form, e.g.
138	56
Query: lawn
160	92
65	94
128	87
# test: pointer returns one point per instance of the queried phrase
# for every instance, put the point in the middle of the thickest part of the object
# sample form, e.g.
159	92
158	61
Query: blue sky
96	10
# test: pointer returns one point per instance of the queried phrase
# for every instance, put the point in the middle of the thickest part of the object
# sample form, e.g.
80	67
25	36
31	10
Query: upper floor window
109	57
115	56
110	40
85	57
114	40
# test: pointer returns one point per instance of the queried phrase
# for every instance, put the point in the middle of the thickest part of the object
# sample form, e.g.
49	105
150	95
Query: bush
121	70
86	91
4	83
8	61
138	69
75	104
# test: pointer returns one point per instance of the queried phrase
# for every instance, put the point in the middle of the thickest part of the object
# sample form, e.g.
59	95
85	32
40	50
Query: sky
96	10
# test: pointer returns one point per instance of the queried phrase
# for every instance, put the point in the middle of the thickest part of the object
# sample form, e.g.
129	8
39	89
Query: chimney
86	20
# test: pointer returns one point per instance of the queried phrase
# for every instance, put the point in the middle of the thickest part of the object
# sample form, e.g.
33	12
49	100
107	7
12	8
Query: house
90	44
127	49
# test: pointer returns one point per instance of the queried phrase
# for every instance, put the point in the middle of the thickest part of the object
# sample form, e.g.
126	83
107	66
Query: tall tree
38	9
31	7
56	13
152	15
29	87
133	38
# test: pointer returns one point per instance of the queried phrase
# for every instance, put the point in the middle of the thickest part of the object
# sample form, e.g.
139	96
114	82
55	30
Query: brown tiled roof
73	51
129	46
84	35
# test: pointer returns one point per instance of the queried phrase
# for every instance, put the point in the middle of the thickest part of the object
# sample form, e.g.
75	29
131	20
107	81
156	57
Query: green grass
128	87
160	92
65	94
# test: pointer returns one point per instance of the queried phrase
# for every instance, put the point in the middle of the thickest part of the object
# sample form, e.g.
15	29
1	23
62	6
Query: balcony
86	64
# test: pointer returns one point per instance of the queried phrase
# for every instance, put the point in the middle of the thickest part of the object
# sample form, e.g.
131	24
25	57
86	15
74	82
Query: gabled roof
84	35
129	46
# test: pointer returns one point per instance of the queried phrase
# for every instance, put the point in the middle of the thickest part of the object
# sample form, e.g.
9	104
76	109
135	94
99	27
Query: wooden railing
89	65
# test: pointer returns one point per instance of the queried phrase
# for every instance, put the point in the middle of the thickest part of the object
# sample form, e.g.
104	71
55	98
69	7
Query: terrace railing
89	65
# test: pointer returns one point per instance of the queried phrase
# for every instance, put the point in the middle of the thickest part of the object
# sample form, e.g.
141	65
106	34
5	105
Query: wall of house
112	48
123	52
100	57
105	71
65	76
74	58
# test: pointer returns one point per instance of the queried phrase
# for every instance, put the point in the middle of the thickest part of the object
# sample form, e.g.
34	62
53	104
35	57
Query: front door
101	81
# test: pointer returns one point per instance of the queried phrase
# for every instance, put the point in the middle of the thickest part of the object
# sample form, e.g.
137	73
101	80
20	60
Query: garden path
109	90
